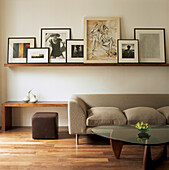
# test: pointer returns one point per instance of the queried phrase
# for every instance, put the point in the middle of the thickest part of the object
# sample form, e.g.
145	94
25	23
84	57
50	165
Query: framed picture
75	50
100	41
17	48
127	51
37	55
55	39
151	44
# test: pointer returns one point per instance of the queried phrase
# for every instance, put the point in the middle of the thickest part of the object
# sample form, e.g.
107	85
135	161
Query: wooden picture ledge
83	64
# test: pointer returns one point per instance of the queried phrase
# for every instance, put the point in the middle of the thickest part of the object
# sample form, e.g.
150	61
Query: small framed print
37	55
17	48
127	51
151	44
55	39
74	53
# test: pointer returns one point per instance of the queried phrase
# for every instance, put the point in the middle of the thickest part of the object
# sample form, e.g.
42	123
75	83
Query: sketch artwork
102	38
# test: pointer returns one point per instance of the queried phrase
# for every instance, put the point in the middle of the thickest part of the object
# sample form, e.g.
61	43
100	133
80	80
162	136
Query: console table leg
6	118
116	147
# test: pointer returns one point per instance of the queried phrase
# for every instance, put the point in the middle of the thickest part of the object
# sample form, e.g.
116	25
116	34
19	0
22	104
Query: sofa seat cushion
98	116
145	114
165	112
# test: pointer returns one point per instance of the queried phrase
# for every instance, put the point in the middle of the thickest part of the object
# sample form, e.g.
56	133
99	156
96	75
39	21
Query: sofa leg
77	139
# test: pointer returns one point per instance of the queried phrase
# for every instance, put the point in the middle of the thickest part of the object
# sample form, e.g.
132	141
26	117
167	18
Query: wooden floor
18	151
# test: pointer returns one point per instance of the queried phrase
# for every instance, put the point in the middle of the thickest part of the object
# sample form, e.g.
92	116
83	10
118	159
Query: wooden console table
7	109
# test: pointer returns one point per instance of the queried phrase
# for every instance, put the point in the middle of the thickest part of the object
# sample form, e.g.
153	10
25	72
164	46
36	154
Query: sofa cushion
145	114
165	112
98	116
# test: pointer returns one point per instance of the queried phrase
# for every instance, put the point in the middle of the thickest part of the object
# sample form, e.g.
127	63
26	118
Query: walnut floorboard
18	151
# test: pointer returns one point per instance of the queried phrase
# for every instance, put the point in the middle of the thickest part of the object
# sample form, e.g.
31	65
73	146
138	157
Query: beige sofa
82	109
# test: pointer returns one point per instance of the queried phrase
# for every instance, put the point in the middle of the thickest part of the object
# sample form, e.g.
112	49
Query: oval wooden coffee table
120	135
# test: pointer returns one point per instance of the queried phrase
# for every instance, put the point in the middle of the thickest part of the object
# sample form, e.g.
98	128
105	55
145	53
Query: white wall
26	18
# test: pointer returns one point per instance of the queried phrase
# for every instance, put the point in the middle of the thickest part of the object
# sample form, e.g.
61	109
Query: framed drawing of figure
55	39
100	40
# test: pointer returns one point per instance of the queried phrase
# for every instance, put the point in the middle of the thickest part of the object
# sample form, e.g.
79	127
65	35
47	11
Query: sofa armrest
77	114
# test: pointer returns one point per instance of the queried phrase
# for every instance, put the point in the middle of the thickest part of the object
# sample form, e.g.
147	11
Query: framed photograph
17	48
55	39
75	51
100	40
127	51
37	55
151	44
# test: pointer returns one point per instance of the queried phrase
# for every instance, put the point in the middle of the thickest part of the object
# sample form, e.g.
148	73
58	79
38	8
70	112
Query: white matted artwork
74	53
37	55
127	51
55	39
151	44
100	41
17	48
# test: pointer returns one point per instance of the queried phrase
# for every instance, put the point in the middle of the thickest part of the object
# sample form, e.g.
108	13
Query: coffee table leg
148	162
116	147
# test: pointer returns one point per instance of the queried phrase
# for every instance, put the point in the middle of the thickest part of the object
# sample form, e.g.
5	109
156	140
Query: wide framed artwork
38	55
127	51
100	39
151	44
75	52
17	48
55	39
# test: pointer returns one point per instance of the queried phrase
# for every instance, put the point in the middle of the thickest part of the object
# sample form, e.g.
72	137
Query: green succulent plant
142	125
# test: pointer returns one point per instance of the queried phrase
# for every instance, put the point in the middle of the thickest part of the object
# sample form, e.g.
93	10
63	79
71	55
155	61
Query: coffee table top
155	136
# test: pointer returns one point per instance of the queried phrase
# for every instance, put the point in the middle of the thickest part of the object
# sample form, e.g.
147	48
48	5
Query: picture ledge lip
84	64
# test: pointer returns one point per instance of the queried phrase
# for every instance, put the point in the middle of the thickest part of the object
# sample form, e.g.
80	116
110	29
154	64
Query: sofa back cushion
165	112
100	116
124	101
145	114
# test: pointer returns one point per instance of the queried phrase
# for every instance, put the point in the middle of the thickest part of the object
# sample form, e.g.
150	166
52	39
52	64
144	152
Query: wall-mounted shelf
82	64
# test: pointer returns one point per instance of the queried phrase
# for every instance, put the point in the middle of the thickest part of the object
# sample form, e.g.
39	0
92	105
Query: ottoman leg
77	139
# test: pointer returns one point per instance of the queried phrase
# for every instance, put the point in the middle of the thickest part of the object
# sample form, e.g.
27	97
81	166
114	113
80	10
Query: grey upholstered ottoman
45	125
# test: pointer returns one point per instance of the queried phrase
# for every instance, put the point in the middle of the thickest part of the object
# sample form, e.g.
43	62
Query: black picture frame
37	60
15	55
152	46
72	45
128	51
55	39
